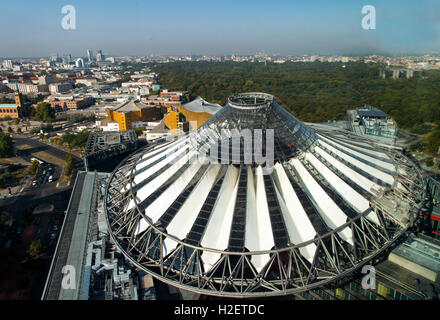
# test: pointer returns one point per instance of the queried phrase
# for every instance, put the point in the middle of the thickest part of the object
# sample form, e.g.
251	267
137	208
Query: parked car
50	179
53	236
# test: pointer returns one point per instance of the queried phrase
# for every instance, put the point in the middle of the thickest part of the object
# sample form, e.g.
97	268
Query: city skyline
198	28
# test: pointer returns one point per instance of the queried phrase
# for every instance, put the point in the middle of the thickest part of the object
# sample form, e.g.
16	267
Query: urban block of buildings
64	103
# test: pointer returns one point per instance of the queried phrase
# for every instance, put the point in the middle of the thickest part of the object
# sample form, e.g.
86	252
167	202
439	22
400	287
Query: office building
196	113
7	64
89	55
56	88
132	111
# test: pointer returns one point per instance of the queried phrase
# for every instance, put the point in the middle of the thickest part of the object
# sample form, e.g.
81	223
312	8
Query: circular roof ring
333	202
250	100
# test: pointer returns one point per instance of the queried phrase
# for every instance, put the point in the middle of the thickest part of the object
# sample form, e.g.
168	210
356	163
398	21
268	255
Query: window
392	292
340	293
382	289
350	297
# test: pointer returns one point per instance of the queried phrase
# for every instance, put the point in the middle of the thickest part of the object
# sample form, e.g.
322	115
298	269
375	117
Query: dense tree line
318	92
75	139
313	92
43	112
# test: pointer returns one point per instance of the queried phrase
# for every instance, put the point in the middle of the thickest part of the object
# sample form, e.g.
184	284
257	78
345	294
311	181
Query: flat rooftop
73	239
130	106
101	141
372	113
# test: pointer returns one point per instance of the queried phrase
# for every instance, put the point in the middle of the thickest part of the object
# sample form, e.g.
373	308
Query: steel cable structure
202	212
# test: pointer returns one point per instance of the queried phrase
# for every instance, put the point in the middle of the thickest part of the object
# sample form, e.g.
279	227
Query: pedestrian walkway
7	199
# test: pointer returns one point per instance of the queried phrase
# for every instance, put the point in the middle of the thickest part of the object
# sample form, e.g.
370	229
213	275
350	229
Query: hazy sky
30	28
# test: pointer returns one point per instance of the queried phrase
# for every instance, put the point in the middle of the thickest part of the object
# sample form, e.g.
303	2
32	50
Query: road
40	146
37	192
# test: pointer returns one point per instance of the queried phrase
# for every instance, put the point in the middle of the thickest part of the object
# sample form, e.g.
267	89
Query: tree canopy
69	165
44	112
6	146
313	92
73	139
318	92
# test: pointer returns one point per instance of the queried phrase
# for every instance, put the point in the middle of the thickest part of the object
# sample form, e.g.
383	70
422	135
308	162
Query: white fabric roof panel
372	216
155	150
258	234
157	208
157	154
356	200
144	175
362	181
221	218
350	195
380	163
184	219
298	225
333	216
154	154
365	150
371	170
153	185
359	143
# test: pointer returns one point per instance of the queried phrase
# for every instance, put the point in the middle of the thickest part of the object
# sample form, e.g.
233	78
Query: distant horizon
437	53
219	28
